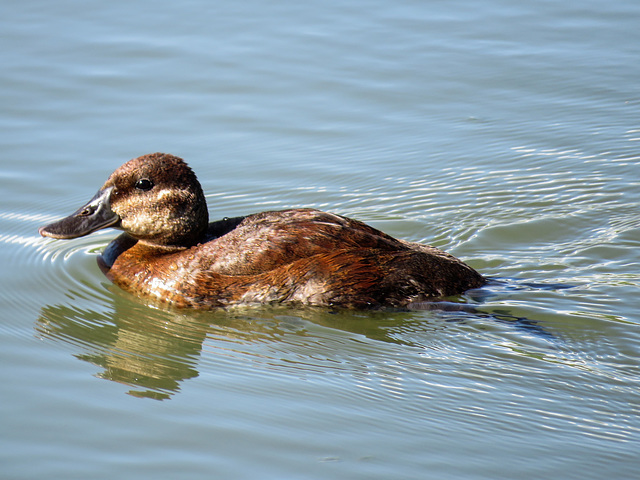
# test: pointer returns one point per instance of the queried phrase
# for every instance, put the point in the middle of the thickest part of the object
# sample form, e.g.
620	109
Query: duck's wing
259	243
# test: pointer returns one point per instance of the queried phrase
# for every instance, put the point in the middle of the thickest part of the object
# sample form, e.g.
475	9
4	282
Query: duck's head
155	198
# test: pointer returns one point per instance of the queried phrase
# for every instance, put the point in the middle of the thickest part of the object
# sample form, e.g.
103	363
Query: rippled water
505	133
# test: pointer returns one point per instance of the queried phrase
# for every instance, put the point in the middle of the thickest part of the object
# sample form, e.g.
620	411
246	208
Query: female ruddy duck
170	252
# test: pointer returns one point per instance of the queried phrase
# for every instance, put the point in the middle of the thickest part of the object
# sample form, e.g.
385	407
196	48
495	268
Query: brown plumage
171	253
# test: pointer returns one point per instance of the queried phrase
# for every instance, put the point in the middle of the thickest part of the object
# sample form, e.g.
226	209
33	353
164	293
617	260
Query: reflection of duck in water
153	354
171	253
154	350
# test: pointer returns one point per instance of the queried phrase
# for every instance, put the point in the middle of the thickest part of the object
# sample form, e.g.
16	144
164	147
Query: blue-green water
507	133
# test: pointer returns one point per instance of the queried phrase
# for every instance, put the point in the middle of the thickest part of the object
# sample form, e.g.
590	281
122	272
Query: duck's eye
144	184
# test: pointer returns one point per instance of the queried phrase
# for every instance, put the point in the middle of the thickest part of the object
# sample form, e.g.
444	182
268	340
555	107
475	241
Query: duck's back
314	257
264	241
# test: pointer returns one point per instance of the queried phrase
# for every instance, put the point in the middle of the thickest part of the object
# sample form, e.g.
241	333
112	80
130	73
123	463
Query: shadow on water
155	350
472	303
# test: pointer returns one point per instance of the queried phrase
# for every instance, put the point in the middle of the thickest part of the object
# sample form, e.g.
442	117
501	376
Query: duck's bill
93	216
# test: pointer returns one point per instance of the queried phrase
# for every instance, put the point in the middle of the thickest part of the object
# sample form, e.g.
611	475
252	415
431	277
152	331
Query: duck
170	253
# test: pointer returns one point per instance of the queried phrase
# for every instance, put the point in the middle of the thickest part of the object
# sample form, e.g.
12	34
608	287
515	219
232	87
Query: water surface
506	134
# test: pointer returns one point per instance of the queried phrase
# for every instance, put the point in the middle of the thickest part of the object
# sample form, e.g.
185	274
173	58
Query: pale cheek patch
146	224
146	216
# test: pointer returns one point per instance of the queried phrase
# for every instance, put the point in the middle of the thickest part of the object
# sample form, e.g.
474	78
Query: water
504	132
